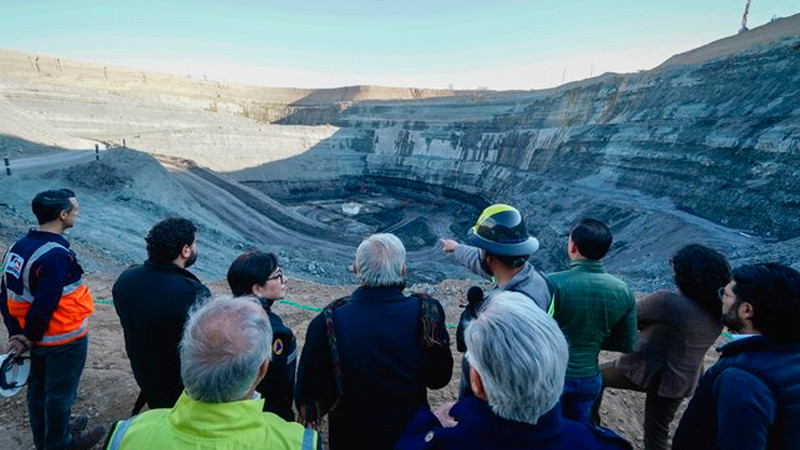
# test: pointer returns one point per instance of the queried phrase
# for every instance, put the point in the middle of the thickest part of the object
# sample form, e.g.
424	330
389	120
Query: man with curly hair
153	300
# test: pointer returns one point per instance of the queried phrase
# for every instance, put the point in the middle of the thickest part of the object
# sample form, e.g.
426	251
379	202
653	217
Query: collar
265	303
171	268
475	413
212	420
522	274
736	337
755	342
586	265
47	236
377	294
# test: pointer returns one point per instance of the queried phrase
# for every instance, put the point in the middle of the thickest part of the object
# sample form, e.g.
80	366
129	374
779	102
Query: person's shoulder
591	436
293	429
279	329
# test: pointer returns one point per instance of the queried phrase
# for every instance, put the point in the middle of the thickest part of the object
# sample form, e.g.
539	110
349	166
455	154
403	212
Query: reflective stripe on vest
50	339
26	274
19	304
119	433
308	439
70	288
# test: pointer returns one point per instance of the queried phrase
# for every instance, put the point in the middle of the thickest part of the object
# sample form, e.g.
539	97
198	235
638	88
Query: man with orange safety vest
46	309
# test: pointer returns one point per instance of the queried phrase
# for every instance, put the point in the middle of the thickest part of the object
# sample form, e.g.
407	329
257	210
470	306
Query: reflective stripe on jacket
191	424
70	318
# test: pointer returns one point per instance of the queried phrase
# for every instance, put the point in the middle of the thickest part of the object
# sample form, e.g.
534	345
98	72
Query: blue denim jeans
52	387
578	396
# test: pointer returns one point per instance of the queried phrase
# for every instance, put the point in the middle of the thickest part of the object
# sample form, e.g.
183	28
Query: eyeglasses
721	292
278	276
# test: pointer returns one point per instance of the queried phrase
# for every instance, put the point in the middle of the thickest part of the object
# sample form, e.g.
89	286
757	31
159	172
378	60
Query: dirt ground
107	390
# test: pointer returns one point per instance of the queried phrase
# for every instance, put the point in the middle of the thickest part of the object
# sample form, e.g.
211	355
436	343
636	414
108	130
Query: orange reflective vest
70	319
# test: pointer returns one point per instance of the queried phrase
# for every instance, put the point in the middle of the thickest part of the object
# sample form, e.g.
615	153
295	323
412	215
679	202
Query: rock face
717	138
703	148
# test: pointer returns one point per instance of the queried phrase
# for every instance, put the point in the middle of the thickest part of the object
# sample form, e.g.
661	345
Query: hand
442	413
448	245
18	344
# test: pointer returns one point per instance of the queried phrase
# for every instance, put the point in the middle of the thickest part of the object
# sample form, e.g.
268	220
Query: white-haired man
518	357
373	354
225	352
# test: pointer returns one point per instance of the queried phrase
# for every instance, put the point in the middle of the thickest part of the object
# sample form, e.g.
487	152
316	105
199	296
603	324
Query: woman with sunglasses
257	274
676	329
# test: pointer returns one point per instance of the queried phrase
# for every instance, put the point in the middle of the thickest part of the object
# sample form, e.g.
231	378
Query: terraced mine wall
718	139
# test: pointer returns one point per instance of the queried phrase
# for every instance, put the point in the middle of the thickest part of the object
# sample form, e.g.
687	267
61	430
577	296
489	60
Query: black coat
153	301
277	387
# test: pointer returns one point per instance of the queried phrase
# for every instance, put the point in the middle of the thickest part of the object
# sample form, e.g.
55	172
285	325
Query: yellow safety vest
191	424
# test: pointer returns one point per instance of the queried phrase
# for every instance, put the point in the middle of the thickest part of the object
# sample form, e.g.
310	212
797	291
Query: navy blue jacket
49	274
385	367
479	428
749	399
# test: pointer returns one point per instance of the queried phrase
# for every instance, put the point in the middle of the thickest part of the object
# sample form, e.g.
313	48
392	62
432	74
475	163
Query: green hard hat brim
526	247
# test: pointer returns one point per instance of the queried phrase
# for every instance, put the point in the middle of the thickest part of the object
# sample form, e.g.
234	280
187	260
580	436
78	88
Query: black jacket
153	301
384	364
277	387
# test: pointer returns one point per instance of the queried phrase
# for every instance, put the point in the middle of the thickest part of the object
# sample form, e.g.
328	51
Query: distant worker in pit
256	274
499	250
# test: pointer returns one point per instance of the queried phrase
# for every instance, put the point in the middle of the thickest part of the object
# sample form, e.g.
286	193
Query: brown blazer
675	333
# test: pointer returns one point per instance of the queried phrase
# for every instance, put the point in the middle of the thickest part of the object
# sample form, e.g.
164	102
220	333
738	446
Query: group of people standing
225	372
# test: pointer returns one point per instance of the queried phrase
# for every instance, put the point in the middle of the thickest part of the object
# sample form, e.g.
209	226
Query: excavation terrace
704	148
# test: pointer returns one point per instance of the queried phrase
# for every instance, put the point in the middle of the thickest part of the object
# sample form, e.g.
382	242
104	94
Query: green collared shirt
595	311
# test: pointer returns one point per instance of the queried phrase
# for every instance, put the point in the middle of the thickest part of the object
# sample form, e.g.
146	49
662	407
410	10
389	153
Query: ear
746	311
255	289
404	270
186	251
262	370
476	384
355	267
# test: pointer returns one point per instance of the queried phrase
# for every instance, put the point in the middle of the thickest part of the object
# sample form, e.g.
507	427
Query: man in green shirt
595	311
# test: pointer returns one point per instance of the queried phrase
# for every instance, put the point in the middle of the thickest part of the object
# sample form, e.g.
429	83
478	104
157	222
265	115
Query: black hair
592	237
48	205
167	238
773	290
249	268
699	273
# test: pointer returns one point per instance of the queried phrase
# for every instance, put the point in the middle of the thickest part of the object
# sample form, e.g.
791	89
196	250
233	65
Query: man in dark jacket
369	358
153	301
518	359
750	399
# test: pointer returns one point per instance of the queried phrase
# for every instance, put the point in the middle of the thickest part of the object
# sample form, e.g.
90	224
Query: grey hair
224	343
380	259
521	355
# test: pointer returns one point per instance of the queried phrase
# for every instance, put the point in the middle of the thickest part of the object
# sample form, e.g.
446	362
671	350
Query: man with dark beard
153	300
750	399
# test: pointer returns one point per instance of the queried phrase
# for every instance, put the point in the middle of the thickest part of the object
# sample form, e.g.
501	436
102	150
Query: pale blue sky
499	44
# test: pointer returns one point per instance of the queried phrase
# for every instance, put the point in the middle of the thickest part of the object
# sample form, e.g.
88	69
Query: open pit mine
703	148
